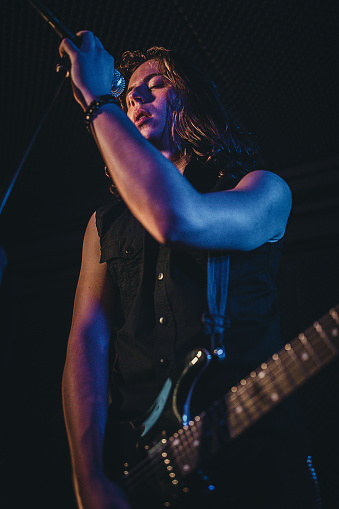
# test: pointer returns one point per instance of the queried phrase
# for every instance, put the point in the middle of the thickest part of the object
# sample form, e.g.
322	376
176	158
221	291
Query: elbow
167	235
172	231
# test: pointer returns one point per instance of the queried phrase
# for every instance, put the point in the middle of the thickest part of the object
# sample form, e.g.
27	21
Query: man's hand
92	68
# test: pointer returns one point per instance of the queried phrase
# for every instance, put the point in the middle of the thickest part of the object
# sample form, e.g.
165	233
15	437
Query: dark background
275	64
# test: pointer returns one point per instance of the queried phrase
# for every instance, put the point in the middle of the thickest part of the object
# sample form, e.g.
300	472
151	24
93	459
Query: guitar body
146	452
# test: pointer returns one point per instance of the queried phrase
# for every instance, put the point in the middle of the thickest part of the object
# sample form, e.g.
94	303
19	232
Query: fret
183	456
197	431
260	384
330	326
248	397
265	385
307	355
293	364
186	445
240	408
253	396
190	460
282	375
334	327
322	333
236	424
320	346
273	389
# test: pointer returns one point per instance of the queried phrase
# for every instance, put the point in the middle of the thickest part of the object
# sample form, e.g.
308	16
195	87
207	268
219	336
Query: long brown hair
200	125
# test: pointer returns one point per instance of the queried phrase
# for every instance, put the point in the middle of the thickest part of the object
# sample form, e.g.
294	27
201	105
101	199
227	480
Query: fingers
89	43
67	47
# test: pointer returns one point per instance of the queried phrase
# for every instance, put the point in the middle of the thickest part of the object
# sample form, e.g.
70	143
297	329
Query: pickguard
157	407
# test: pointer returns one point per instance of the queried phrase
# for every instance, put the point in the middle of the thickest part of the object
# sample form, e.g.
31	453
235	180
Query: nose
136	96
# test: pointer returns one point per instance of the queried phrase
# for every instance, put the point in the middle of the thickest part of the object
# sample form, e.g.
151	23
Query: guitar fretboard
298	361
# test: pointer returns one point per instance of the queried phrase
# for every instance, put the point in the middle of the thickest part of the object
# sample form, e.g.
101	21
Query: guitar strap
215	322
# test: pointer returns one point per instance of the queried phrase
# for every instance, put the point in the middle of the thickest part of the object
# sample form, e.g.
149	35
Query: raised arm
85	379
157	194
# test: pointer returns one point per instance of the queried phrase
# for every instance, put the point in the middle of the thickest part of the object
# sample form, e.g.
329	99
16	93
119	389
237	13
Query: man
182	174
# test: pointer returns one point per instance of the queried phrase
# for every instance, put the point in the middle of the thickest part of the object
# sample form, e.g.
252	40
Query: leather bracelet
94	106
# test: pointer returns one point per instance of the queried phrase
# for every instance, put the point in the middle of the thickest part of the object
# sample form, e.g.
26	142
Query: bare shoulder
266	181
267	200
91	244
93	272
94	290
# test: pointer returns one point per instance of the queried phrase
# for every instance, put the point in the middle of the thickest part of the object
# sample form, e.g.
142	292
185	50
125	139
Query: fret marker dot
238	409
261	374
176	442
186	468
334	333
274	396
196	443
304	356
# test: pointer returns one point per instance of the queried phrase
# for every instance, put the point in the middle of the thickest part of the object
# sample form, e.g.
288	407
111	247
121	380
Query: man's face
147	101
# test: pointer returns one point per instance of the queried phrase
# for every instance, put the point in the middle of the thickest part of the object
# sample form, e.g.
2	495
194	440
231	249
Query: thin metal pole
8	189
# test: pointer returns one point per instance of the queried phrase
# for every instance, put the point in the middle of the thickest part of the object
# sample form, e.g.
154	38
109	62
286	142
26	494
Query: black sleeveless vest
162	295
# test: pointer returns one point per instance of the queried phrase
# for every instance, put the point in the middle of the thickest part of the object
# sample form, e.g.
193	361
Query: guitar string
266	383
143	470
183	451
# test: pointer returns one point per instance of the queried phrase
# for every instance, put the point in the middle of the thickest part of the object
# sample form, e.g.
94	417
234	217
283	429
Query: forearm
149	183
85	401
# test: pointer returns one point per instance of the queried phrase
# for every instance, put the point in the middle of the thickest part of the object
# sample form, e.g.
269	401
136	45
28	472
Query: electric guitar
175	444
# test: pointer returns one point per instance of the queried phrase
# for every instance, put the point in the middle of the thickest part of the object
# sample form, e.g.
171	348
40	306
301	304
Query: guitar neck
288	369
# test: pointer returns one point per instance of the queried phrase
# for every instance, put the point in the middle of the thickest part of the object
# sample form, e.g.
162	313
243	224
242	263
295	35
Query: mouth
141	117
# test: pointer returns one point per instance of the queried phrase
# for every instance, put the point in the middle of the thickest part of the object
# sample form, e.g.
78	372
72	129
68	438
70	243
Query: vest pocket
124	261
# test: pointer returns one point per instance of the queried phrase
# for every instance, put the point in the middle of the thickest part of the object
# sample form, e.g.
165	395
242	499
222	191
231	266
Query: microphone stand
63	70
13	177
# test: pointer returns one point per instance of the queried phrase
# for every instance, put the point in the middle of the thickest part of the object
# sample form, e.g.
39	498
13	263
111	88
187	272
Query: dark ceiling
274	63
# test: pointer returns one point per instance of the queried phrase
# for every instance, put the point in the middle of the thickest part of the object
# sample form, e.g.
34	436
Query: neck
179	160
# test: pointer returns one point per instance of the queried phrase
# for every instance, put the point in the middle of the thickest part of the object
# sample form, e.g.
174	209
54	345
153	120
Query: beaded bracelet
95	106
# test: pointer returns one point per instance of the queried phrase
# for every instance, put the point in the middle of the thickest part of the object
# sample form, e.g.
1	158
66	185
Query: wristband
94	106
